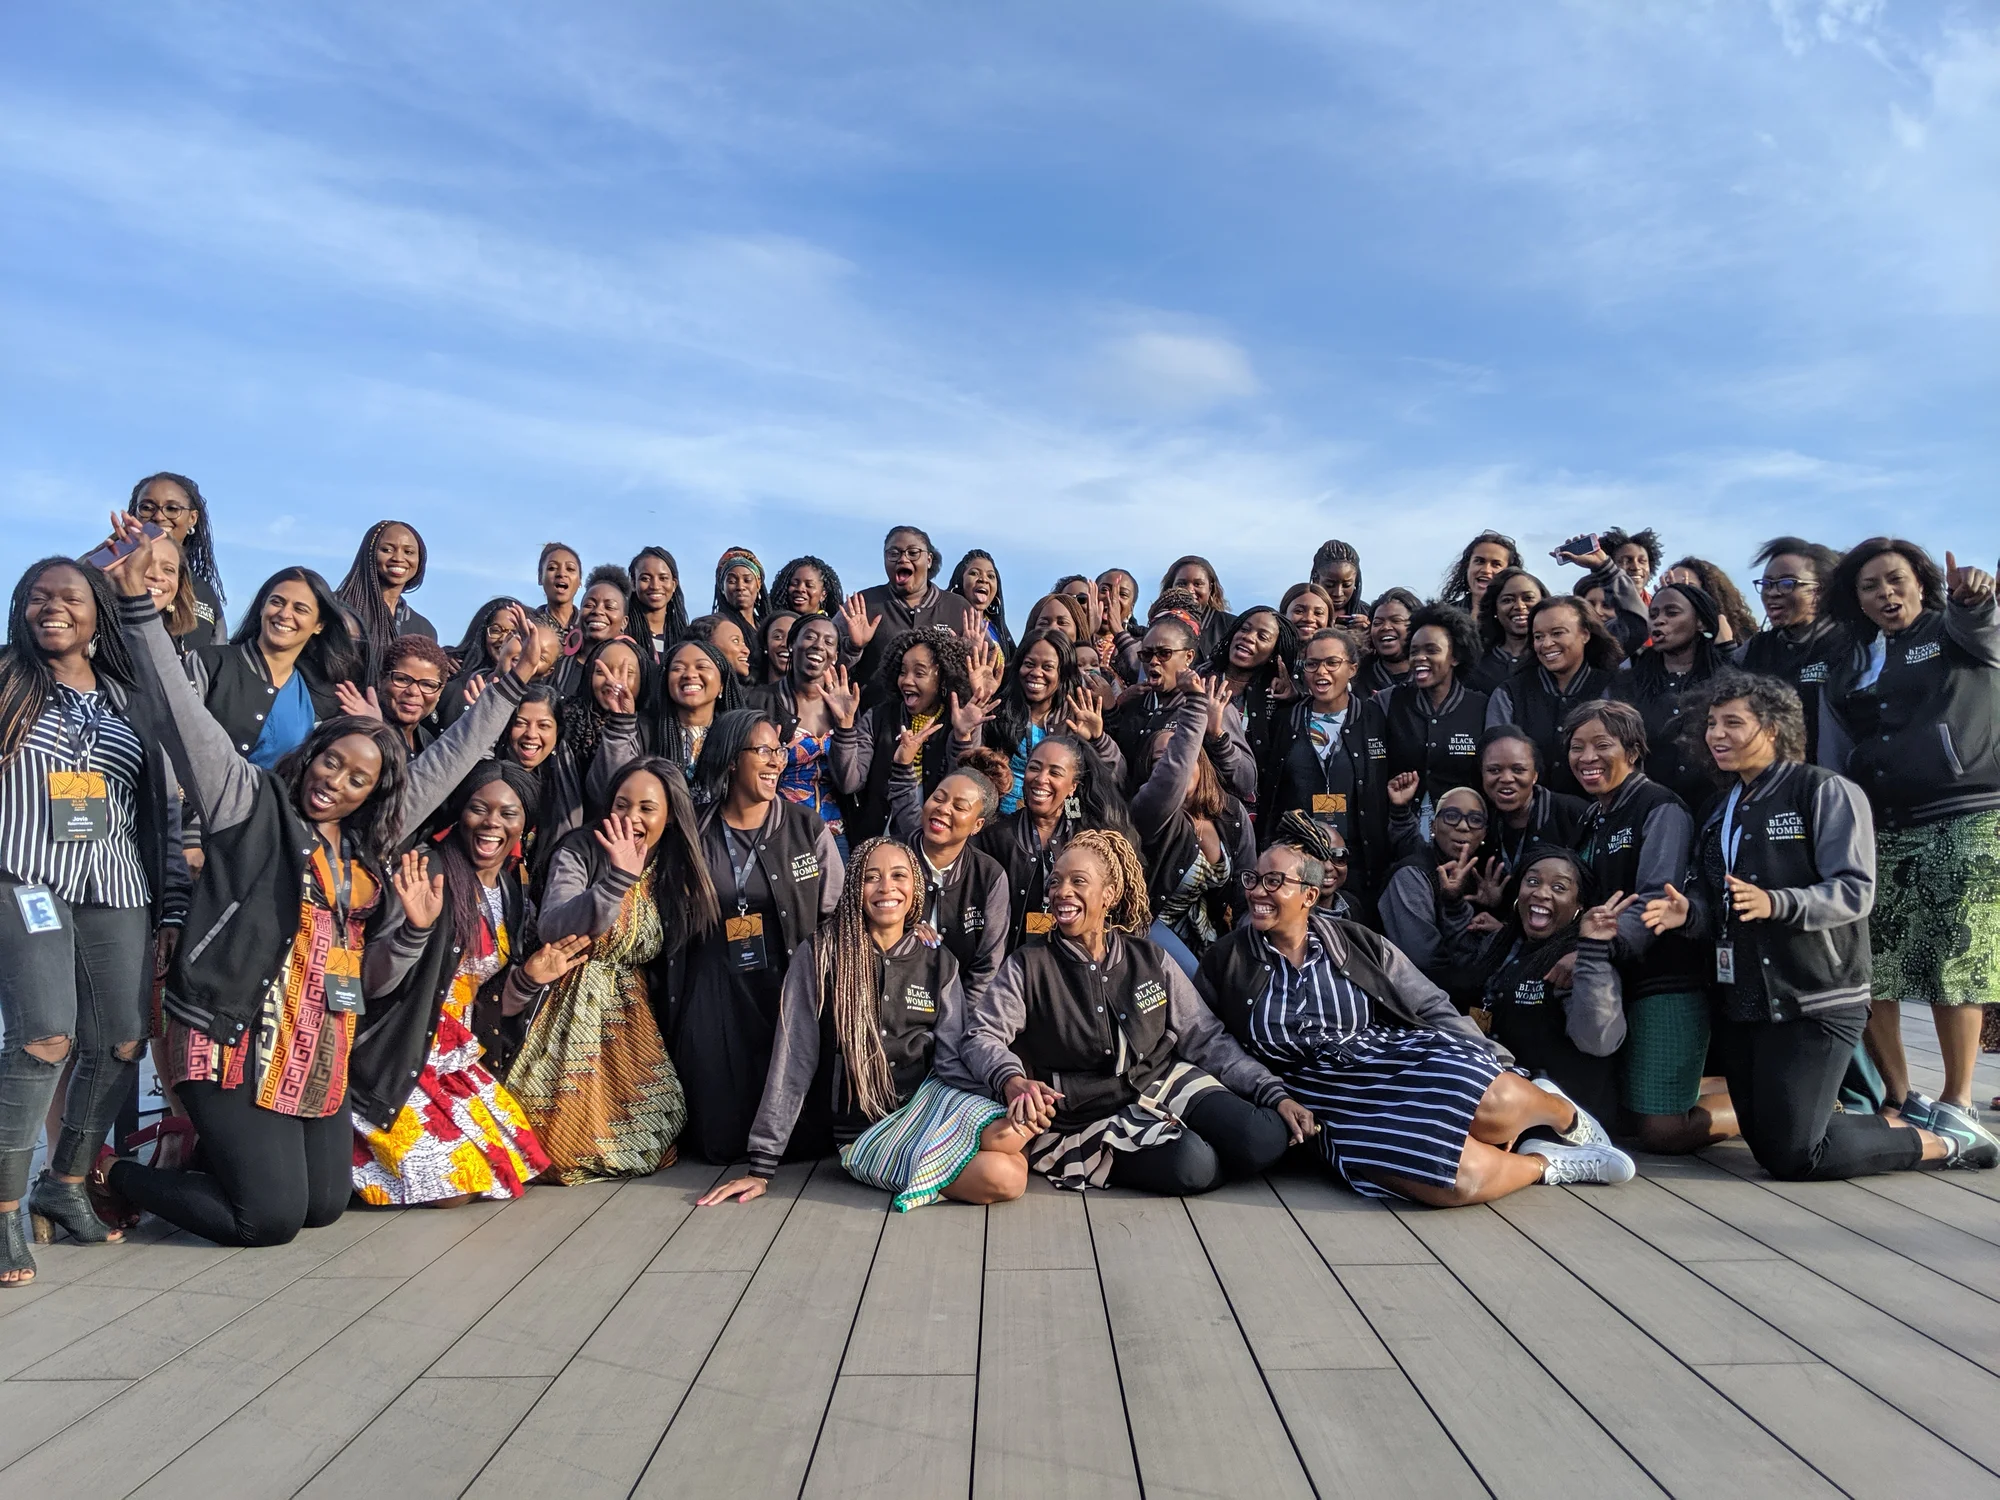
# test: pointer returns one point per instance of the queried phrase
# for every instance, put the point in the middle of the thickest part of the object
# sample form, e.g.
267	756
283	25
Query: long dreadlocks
850	976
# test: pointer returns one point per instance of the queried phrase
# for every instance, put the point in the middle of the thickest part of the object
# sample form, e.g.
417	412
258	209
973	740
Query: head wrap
1702	602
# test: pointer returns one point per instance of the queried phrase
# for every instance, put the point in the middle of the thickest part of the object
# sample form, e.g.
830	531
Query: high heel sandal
110	1204
66	1205
14	1252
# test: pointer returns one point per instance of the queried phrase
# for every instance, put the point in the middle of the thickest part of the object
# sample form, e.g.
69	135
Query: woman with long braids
174	503
809	586
1066	788
695	688
1258	661
976	579
593	1076
1684	654
86	839
1336	568
859	1022
1502	619
1737	623
742	599
777	875
432	1124
387	565
1575	662
731	642
926	679
1434	721
1484	559
282	670
613	718
263	995
1041	693
809	703
559	572
1100	1045
1212	619
657	609
1388	641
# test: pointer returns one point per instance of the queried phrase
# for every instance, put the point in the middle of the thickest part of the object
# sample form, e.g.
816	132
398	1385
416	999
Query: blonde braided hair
850	971
1127	910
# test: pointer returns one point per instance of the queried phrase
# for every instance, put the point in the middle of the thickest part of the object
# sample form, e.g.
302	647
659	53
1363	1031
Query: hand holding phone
121	546
1579	548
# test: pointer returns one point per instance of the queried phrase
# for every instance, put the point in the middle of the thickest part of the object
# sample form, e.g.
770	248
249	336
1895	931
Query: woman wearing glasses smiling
1800	642
173	502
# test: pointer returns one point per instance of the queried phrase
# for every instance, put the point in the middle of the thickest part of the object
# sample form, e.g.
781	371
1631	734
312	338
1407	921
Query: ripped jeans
85	984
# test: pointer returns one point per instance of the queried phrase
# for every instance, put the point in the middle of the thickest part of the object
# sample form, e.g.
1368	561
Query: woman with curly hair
1485	557
808	586
1100	1045
926	681
1738	624
1434	720
858	1024
1636	554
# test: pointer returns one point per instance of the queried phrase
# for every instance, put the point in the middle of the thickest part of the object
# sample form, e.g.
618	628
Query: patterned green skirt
1935	931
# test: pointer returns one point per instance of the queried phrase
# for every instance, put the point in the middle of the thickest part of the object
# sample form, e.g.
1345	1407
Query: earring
90	647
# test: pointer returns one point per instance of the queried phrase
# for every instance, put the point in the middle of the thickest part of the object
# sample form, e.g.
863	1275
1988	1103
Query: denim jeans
88	982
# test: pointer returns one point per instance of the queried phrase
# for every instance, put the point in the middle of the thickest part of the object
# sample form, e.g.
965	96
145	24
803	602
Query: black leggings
1226	1137
1783	1079
262	1176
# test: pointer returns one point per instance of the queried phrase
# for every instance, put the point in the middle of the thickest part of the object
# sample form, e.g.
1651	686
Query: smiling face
340	779
692	681
396	556
1634	562
1118	592
739	587
778	643
1676	626
815	647
499	628
729	639
1339	579
906	558
642	797
602	611
1488	561
805	591
1255	638
1309	615
1050	779
1079	893
410	690
1040	672
1740	742
952	813
1052	614
1598	758
1507	775
1430	657
1513	605
288	617
616	664
1194	578
531	734
888	891
1790	591
1890	593
163	574
917	679
654	584
754	778
1284	910
1549	898
168	506
490	825
562	575
979	583
1559	639
1389	630
62	612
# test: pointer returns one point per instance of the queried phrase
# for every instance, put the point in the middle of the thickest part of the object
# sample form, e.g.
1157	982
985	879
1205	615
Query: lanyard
81	741
340	874
1732	832
730	838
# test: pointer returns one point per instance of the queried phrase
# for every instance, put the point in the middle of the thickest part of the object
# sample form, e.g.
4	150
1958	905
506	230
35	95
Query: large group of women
1447	895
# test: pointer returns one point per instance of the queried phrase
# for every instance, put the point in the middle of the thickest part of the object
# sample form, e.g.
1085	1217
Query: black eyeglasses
153	510
430	687
1272	881
1460	817
1785	585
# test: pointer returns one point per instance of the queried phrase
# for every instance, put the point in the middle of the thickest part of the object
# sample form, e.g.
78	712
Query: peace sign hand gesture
1600	923
1454	875
909	742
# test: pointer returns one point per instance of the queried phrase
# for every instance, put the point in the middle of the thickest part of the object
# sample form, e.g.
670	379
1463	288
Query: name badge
745	936
1725	963
39	912
1040	923
79	807
1329	802
341	981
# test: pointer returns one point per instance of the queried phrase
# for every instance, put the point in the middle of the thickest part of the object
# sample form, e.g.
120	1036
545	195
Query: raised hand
968	719
1492	883
1752	903
854	618
1666	913
1220	694
422	894
624	843
128	573
982	661
476	684
618	697
551	961
1283	688
1403	788
841	697
1968	586
353	701
910	742
1085	714
1600	923
1594	559
523	652
1454	875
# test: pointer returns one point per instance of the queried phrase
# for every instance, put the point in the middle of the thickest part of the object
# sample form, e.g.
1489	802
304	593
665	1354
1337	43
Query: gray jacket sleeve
1500	706
1410	918
906	805
954	1014
1976	629
1844	850
1166	788
980	1058
1432	1006
572	906
1595	1008
387	957
833	877
992	952
1663	857
852	755
1202	1040
435	774
794	1060
618	745
1230	752
1107	751
220	782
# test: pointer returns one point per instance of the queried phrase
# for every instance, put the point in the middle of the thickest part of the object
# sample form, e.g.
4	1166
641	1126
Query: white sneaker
1586	1131
1569	1164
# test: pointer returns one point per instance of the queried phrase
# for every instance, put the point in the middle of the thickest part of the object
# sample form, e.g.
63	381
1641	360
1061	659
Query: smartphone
1582	545
119	547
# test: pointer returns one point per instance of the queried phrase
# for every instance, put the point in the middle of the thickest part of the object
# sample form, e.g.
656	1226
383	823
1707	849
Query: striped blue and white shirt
76	732
1306	1008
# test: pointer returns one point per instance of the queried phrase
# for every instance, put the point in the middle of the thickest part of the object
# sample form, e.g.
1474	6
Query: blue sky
1082	284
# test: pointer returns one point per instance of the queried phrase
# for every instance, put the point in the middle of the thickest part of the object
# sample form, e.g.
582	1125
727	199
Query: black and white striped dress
1387	1098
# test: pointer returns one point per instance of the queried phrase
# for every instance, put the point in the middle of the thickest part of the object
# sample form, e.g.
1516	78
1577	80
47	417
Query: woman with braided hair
1100	1044
857	1028
809	586
742	599
388	565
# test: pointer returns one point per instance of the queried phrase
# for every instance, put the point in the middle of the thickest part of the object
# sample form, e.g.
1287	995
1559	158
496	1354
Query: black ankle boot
65	1204
14	1252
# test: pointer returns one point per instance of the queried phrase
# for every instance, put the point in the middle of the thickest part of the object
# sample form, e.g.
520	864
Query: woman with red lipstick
1910	714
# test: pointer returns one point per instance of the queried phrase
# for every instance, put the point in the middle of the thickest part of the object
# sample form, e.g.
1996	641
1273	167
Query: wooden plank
920	1313
1345	1228
260	1273
433	1439
1675	1227
1679	1310
142	1430
1520	1431
167	1264
36	1410
1368	1432
590	1435
410	1239
133	1346
1686	1436
1045	1229
1956	1317
1051	1420
1925	1193
894	1435
63	1264
733	1236
1869	1449
61	1318
542	1322
294	1428
1202	1421
748	1426
1928	1383
1295	1315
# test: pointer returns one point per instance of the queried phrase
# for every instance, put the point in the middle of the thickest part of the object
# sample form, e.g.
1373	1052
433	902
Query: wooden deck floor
1702	1332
